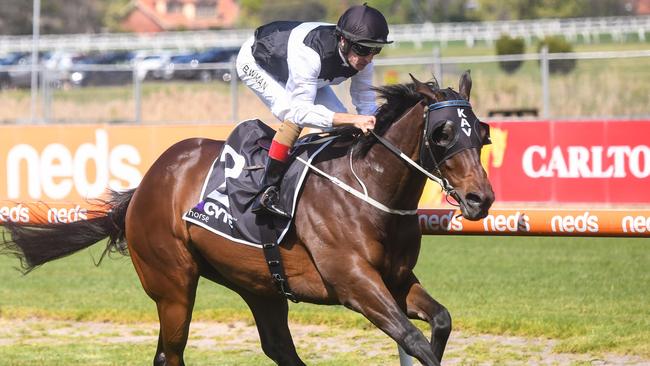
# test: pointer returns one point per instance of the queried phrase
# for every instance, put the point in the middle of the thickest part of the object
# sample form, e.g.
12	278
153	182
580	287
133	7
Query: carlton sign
573	162
586	161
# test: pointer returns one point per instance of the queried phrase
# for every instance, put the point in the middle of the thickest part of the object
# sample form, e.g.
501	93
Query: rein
443	182
356	193
426	148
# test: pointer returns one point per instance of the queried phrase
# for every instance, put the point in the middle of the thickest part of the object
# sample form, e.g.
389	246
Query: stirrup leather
269	200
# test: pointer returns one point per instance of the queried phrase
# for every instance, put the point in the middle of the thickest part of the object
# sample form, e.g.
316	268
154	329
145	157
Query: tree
57	16
72	16
506	45
114	13
16	18
534	9
254	13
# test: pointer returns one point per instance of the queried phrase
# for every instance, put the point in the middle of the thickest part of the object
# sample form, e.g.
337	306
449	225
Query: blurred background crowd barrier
145	78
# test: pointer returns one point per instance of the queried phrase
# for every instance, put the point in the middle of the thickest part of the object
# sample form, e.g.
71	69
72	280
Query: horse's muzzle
476	204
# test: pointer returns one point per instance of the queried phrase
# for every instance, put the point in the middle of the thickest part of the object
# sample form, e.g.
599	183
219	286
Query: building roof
154	15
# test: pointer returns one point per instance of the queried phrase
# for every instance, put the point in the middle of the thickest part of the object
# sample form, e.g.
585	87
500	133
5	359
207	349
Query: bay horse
340	250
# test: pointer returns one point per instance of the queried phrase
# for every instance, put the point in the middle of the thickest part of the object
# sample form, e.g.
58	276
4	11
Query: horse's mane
398	98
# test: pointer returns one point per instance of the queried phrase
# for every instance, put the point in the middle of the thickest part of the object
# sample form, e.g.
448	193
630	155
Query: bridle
467	135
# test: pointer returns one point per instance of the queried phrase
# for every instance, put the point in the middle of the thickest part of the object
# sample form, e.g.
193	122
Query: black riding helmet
363	25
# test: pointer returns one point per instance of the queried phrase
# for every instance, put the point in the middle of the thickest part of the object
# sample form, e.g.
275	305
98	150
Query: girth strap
273	258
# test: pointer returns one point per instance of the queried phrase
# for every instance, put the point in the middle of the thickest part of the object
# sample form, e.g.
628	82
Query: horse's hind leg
420	305
170	280
271	318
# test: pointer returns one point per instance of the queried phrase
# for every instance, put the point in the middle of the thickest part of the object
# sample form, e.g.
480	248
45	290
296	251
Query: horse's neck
401	185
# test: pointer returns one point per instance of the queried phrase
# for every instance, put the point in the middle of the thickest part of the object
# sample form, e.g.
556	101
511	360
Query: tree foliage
114	13
557	44
507	45
256	12
534	9
57	16
80	16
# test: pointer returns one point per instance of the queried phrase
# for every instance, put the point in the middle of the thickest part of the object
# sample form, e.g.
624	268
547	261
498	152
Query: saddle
235	179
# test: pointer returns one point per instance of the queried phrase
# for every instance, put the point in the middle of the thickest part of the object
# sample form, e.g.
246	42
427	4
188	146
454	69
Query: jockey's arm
302	86
363	98
360	121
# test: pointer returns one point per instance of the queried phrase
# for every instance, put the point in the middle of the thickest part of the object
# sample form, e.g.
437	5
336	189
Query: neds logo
18	213
569	223
56	171
636	224
510	223
438	223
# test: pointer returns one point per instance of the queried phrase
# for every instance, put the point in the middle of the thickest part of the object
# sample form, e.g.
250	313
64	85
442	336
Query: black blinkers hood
467	131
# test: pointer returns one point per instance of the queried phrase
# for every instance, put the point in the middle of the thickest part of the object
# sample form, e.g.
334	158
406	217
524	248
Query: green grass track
591	294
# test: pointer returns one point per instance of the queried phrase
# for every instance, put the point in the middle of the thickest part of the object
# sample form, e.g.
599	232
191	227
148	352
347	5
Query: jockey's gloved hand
363	122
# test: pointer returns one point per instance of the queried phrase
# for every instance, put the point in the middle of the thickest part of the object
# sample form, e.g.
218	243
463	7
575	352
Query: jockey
290	66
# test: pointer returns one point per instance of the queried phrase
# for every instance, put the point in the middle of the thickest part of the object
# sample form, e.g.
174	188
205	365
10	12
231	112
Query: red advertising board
601	162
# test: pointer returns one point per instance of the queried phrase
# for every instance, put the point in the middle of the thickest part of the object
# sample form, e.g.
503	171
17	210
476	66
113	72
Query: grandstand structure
574	29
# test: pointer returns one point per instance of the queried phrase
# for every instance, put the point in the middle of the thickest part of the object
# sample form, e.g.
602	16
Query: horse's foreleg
420	305
271	318
368	295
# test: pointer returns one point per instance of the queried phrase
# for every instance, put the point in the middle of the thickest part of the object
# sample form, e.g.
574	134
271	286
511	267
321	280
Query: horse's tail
38	243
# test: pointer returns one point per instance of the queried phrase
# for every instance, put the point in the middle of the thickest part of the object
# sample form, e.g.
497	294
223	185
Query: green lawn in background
591	294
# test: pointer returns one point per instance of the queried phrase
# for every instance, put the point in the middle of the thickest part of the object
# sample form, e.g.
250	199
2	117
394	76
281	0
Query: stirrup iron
269	202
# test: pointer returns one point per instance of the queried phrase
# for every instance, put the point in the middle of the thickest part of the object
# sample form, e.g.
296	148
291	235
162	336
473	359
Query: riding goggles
363	51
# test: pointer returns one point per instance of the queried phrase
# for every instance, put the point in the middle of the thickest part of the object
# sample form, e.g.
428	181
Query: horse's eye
443	134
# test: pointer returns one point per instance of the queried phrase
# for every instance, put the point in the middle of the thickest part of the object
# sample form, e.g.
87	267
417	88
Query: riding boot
268	200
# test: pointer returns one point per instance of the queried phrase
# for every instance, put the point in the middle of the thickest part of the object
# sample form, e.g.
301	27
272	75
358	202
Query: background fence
603	84
583	29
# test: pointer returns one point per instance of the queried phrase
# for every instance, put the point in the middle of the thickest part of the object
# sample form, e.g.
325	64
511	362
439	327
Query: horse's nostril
474	199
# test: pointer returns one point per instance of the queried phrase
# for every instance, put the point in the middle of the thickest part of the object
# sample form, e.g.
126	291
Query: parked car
154	66
180	65
199	67
58	66
102	69
14	66
20	75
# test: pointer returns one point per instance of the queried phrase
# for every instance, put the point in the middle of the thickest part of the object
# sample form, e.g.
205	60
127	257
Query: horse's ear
418	84
465	86
415	81
434	82
420	87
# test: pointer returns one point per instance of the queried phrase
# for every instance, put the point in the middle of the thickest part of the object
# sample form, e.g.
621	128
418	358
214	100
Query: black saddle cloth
234	181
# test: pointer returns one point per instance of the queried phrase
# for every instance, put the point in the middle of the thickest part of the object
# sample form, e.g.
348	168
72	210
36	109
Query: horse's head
452	145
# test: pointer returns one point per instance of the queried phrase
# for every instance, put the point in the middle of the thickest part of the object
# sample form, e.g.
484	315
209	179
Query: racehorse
340	250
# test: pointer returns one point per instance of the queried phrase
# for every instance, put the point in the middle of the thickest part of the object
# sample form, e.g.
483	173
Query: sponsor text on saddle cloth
234	181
